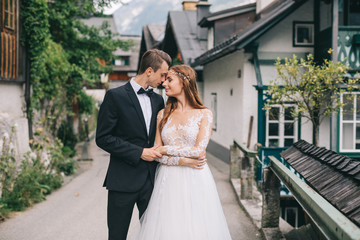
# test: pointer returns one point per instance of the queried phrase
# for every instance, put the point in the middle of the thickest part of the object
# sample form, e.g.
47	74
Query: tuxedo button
148	142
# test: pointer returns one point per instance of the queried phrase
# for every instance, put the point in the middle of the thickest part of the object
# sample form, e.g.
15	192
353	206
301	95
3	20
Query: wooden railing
242	166
242	162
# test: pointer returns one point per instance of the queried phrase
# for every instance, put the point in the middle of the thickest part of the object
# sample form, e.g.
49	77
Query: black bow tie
148	92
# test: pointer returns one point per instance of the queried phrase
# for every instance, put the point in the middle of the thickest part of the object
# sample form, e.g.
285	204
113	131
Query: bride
184	204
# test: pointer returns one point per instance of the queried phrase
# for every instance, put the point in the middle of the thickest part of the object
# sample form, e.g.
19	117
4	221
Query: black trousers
120	209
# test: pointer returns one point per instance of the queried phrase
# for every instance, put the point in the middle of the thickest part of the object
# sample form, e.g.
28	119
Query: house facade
14	80
125	64
152	36
237	71
181	37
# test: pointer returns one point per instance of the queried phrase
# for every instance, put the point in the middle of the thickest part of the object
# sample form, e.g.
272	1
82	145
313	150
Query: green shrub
53	181
86	103
60	158
68	167
4	210
66	134
27	188
68	152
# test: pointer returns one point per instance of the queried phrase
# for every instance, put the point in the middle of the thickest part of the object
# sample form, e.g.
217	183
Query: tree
315	88
64	54
87	48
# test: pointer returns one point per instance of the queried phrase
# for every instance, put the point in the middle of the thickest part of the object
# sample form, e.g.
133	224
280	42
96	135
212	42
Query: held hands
150	154
162	149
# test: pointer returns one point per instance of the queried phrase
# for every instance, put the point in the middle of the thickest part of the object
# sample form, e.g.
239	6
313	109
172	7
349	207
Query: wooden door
9	47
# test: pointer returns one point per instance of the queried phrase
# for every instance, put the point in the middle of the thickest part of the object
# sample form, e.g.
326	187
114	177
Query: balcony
349	46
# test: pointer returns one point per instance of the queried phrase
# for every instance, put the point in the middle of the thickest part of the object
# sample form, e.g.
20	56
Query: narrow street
78	210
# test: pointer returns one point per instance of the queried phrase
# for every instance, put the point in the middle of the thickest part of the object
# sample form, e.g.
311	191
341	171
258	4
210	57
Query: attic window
303	34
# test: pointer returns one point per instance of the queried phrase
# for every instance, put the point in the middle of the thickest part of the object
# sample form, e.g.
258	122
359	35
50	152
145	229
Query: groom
126	129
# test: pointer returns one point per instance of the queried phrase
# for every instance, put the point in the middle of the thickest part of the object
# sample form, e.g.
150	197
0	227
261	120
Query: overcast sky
131	17
114	7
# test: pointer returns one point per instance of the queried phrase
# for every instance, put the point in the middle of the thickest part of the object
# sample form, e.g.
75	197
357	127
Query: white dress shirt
145	103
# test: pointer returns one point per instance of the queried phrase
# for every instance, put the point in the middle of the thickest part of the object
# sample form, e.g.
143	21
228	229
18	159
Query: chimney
189	5
203	9
262	4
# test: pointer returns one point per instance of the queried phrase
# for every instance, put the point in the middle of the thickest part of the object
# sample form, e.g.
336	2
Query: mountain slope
132	17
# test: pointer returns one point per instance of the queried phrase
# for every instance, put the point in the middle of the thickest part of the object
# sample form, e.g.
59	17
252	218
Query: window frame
296	215
10	12
281	137
310	25
123	60
354	121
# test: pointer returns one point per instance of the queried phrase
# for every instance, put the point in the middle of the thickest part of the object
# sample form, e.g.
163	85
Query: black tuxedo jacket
121	131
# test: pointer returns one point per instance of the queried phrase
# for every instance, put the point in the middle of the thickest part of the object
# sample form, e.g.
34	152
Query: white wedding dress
184	204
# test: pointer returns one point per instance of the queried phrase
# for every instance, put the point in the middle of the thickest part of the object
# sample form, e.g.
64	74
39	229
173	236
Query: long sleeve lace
202	139
169	160
166	160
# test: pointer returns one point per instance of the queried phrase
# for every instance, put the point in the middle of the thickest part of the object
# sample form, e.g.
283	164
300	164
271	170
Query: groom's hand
150	154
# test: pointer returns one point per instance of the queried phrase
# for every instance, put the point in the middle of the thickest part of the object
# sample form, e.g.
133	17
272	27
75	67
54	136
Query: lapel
153	114
136	103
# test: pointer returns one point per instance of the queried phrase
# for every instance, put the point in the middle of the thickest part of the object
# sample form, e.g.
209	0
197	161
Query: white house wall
221	75
250	102
12	114
279	39
233	112
278	42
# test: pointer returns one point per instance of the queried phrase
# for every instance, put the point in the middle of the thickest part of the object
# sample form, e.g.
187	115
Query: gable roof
132	53
183	25
241	40
153	34
335	177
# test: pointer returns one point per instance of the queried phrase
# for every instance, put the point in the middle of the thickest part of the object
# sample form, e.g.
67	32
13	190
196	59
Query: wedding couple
177	198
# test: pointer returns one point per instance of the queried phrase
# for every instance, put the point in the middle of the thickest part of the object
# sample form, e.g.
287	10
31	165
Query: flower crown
181	75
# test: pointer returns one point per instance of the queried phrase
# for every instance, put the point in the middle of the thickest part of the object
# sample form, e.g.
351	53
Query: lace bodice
185	135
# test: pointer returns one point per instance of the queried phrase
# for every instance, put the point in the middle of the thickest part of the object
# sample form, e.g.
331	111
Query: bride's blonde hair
188	77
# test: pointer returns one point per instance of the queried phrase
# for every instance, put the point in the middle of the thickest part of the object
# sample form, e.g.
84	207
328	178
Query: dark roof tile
351	166
343	163
355	170
333	176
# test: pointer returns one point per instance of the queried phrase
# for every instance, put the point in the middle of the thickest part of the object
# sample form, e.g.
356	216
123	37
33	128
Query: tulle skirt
184	205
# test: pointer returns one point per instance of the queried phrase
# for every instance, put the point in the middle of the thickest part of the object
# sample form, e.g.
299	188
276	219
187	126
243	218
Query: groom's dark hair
153	58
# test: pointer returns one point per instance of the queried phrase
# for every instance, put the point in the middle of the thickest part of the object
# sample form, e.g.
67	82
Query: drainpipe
260	89
335	32
28	94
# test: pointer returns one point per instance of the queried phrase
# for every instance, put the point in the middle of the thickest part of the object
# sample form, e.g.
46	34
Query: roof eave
247	37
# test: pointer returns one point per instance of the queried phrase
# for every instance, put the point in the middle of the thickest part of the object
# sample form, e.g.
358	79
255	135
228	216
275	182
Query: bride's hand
192	162
162	149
